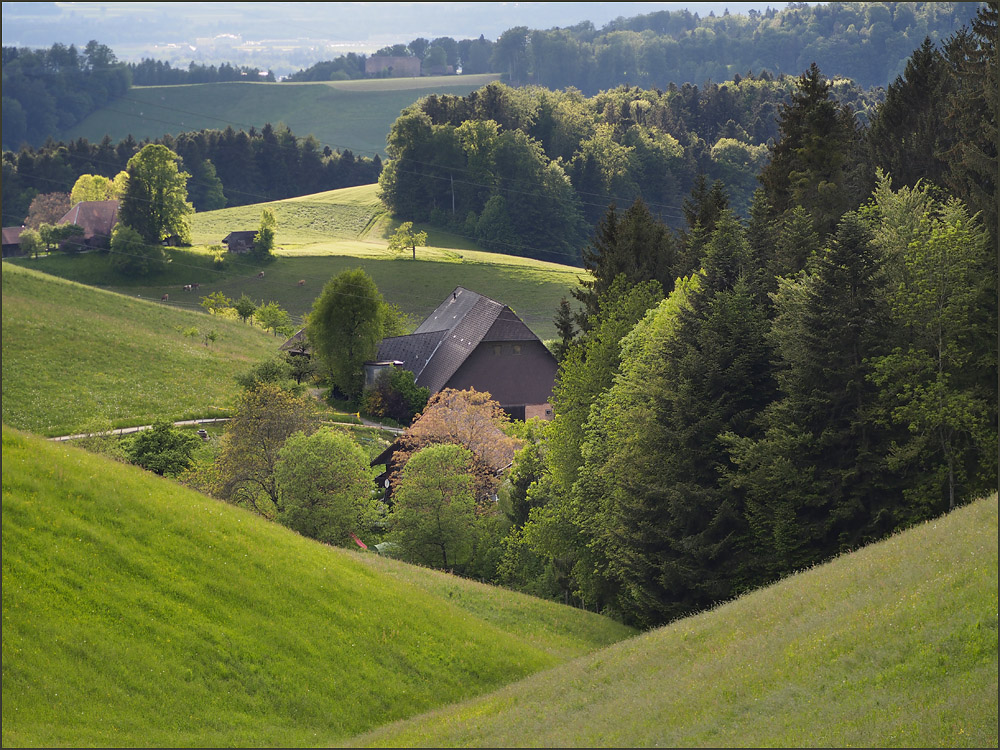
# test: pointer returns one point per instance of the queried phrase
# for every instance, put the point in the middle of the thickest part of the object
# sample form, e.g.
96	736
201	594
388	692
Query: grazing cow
164	298
187	287
196	285
302	282
260	275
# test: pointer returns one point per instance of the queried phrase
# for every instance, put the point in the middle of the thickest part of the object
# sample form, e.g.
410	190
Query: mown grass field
77	358
139	613
320	236
355	115
894	645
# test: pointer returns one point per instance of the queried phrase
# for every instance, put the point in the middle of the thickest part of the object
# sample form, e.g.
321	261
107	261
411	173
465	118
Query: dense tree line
149	72
814	378
528	171
227	167
46	91
867	42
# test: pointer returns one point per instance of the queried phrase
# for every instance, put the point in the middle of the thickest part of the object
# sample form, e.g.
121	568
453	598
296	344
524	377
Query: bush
396	396
163	450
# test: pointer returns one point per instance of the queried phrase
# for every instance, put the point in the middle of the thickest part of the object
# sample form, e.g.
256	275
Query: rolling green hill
894	645
139	613
353	115
76	357
321	235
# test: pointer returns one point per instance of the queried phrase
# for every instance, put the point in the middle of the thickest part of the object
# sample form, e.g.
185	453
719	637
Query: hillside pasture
354	115
76	358
140	613
319	236
894	645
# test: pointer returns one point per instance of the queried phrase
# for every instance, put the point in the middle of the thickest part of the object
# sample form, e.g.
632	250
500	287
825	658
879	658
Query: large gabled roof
440	345
97	218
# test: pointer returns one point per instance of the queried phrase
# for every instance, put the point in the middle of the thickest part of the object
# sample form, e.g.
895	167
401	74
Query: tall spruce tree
680	539
817	162
811	479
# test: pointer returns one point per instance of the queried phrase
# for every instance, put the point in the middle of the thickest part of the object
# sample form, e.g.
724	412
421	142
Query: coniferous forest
741	399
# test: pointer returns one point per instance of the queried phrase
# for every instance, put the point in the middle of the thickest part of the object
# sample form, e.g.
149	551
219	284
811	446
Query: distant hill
139	613
892	645
354	115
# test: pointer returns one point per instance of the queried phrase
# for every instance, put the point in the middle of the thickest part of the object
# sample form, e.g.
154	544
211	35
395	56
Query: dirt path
130	430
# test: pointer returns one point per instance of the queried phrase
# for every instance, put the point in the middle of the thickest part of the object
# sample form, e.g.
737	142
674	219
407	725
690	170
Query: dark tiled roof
440	345
239	237
12	235
413	351
296	343
97	218
459	343
509	327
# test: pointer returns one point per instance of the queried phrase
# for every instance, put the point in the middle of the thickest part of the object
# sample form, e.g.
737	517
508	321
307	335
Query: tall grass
74	357
894	645
139	613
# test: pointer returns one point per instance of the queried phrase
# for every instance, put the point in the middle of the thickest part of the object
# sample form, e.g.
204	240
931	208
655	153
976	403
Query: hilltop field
318	236
363	111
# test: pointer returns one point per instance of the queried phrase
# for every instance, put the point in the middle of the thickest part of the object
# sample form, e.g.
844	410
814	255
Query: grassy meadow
139	613
78	358
319	236
894	645
355	115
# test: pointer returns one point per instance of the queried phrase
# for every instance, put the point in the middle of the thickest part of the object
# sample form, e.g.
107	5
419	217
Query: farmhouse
472	341
97	218
12	241
239	242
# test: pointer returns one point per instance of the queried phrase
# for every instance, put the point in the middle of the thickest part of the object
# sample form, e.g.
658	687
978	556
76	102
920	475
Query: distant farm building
394	67
470	341
98	219
239	242
12	241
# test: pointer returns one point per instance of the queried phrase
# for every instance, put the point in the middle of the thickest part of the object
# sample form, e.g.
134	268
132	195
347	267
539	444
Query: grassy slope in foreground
355	115
893	645
73	355
139	613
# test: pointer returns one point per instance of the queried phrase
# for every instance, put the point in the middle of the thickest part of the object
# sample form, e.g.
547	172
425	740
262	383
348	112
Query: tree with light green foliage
131	255
434	510
155	201
31	243
938	382
245	307
404	238
347	321
326	487
263	241
273	317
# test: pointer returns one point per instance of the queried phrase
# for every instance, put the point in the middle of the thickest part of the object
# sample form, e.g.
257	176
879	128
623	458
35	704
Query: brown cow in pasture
302	282
164	298
260	275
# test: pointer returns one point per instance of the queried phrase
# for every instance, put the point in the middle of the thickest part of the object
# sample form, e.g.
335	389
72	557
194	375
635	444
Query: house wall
514	372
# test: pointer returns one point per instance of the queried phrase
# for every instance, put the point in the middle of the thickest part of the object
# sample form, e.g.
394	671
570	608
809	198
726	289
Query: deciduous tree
433	518
155	201
325	487
404	238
